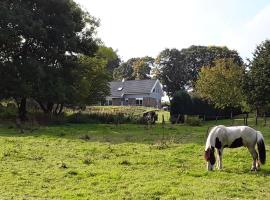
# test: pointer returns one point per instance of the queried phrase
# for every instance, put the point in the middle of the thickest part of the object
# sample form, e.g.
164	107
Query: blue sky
145	27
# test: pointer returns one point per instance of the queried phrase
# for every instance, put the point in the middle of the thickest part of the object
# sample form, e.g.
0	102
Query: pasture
128	161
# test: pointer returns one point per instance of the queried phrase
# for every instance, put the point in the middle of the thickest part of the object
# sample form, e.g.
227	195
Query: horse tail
261	147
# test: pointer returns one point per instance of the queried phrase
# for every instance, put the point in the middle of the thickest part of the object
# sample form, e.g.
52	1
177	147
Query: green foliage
193	120
181	103
93	82
110	115
221	84
179	69
257	80
134	68
172	71
40	41
199	56
111	57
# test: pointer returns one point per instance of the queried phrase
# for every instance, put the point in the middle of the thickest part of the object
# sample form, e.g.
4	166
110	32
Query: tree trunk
60	109
22	109
46	109
55	111
49	107
246	119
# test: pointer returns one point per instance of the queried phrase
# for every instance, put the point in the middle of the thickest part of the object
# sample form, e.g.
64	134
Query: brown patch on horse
210	156
207	154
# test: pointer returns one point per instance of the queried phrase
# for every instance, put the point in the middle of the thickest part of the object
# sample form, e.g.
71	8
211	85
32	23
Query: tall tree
40	43
257	79
198	56
221	84
172	71
182	67
110	56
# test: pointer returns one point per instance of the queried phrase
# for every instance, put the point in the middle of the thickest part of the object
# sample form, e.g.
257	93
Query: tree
179	69
111	57
181	105
221	84
134	68
40	44
93	83
257	79
142	67
172	71
124	71
198	56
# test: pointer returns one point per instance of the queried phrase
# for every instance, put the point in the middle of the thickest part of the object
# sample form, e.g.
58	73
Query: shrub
192	120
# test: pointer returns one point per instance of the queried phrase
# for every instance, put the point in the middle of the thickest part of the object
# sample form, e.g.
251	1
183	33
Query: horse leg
254	155
219	156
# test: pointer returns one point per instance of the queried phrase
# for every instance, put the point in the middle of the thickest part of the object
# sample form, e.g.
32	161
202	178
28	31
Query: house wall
116	102
157	92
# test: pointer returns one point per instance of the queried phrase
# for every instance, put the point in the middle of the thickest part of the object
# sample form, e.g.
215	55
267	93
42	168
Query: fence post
232	117
163	127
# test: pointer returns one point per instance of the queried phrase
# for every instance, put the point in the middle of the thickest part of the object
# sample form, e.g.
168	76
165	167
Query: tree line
49	52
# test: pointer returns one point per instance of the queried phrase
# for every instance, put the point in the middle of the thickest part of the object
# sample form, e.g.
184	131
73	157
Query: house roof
119	88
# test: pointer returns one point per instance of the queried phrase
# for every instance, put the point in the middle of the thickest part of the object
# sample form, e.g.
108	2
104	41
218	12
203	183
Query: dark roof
131	87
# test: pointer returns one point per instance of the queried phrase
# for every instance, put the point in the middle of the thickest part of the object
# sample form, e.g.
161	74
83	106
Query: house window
154	90
139	101
126	100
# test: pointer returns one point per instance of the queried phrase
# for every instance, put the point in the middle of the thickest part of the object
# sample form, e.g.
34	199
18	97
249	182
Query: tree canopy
40	43
257	79
110	56
172	71
221	84
134	68
178	69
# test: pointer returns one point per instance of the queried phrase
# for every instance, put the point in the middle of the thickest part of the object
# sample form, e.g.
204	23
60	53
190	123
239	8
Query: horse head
209	156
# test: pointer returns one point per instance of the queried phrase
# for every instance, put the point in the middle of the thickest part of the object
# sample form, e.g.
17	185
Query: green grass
123	162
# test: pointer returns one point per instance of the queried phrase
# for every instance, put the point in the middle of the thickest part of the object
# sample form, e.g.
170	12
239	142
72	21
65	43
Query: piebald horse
221	137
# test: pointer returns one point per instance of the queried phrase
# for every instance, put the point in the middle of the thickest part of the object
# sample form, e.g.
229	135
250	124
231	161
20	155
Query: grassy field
123	162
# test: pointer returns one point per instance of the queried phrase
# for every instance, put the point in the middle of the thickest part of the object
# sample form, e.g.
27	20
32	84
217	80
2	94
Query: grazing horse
233	137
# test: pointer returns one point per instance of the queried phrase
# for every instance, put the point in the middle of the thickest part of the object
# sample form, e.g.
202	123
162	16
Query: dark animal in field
221	137
150	117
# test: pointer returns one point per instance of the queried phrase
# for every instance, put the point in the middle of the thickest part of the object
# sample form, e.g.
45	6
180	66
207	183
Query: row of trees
49	52
228	84
217	75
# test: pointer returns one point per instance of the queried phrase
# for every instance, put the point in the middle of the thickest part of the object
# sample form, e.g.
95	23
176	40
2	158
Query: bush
8	113
106	118
192	120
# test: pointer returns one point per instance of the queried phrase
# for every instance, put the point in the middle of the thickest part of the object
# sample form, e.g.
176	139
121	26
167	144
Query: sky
137	28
